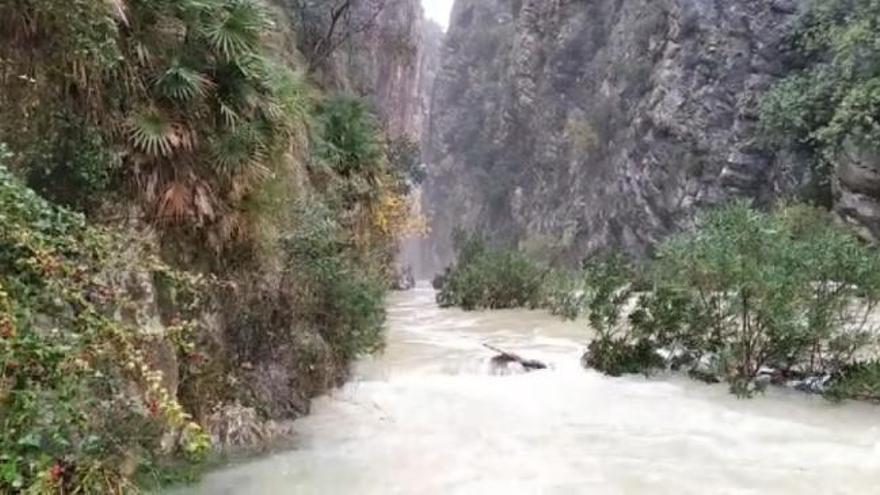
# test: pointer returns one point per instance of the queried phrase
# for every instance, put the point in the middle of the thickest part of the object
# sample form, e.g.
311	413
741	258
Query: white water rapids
427	418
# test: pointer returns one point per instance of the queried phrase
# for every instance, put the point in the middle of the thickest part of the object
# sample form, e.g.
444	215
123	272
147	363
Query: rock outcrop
565	126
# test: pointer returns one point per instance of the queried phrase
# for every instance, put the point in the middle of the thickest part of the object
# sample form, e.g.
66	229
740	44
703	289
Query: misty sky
438	10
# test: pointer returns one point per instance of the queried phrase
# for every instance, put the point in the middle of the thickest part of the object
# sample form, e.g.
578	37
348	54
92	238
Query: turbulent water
428	418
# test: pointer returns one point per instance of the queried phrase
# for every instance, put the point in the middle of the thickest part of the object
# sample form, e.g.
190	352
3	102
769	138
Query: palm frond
174	202
182	83
238	150
235	28
229	114
152	133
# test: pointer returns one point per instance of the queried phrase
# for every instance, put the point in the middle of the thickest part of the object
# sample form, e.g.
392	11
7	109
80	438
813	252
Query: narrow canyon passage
428	417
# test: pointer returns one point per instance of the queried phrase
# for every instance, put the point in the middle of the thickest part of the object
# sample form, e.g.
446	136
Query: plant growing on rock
81	405
835	98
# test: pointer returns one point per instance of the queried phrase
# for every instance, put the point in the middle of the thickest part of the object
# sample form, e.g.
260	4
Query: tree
326	26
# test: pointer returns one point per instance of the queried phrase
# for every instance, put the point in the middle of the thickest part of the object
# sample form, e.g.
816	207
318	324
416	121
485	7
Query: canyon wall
567	126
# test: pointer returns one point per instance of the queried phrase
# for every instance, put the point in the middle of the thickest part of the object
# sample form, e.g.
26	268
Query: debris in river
501	363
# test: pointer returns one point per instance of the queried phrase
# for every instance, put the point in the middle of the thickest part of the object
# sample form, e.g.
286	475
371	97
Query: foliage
345	300
80	404
617	356
856	381
749	291
836	95
486	278
184	100
350	137
789	290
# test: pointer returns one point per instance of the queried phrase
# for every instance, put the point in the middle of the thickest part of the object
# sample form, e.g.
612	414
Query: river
427	417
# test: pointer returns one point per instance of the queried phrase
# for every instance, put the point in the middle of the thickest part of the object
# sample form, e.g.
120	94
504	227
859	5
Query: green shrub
78	401
788	290
616	349
618	356
486	278
837	93
859	381
344	299
745	292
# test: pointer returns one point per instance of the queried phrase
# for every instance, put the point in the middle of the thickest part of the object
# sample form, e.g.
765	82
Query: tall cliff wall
566	126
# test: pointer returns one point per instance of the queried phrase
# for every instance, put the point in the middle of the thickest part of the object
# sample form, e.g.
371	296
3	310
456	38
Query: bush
855	381
80	404
618	356
836	95
486	278
749	291
341	297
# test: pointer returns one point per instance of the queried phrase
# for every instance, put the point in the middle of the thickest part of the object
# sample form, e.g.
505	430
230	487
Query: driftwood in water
504	358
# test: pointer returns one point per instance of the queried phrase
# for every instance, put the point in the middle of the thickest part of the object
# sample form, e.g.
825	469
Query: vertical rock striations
566	126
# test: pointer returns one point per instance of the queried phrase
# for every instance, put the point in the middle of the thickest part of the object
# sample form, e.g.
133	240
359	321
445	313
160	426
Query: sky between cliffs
438	11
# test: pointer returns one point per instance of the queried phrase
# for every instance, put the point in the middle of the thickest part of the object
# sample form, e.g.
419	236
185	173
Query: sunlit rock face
566	126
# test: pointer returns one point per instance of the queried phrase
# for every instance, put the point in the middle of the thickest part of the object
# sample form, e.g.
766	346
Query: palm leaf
152	133
174	202
182	83
236	151
235	28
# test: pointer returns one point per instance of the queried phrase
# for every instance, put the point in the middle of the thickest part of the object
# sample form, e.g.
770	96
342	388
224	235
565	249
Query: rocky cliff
379	53
565	126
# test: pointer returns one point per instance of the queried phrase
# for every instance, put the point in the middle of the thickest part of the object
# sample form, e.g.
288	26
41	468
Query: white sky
438	10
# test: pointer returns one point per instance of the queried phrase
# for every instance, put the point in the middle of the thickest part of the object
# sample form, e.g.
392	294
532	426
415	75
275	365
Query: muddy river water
427	417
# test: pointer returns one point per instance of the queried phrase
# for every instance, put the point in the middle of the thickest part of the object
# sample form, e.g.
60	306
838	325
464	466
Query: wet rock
858	187
404	279
234	427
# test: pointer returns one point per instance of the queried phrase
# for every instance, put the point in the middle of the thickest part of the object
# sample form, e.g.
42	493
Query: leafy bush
616	349
789	290
836	95
186	100
855	381
486	278
748	291
618	356
79	401
344	299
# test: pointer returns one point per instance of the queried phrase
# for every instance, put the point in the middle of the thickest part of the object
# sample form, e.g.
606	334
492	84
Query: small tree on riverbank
789	291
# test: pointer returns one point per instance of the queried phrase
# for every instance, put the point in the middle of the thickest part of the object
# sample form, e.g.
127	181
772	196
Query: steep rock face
377	53
566	126
384	64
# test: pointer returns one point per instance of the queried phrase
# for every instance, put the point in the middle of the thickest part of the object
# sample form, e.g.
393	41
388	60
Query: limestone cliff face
566	126
384	65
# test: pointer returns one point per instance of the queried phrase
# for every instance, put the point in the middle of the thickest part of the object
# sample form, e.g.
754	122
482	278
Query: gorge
205	205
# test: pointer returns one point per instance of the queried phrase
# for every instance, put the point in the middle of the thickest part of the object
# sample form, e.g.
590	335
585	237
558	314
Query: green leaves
182	84
235	26
152	133
485	278
237	150
837	94
350	135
